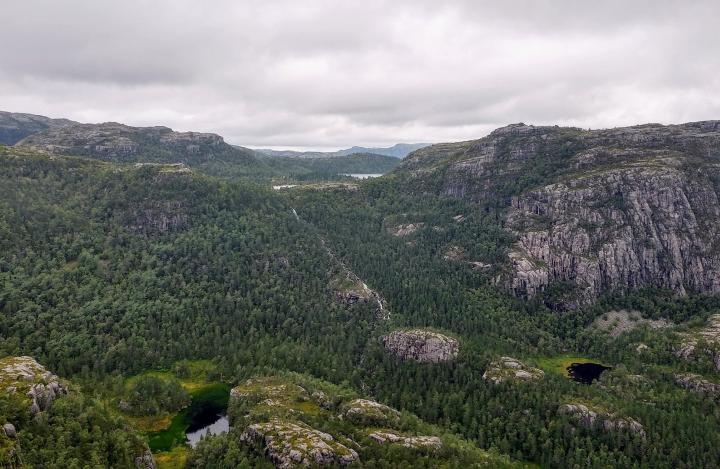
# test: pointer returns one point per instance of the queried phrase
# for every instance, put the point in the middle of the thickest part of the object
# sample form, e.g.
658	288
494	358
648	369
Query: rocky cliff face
421	345
599	210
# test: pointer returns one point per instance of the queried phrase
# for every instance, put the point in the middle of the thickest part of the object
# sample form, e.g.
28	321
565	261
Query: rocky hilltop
598	210
15	126
111	141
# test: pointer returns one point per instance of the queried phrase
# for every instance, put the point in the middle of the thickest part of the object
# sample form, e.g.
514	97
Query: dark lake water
208	423
586	373
204	416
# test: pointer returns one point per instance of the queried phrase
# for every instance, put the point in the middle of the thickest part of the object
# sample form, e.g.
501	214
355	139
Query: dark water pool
204	416
210	423
586	373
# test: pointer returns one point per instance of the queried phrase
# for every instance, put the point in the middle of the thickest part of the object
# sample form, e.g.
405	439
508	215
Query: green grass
173	459
560	363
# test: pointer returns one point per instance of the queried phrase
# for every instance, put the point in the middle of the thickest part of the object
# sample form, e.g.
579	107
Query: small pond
204	416
212	423
587	372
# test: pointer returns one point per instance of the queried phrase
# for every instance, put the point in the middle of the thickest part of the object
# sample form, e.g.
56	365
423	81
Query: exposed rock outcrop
9	430
366	412
416	442
27	380
290	444
510	369
405	229
159	216
708	336
595	419
618	322
145	461
698	384
421	345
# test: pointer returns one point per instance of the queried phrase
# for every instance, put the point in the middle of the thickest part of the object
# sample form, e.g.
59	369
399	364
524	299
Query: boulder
9	430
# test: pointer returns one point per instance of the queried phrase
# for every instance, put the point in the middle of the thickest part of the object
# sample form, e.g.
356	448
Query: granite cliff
595	211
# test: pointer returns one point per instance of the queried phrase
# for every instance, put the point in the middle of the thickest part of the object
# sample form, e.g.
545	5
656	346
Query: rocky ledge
511	369
366	412
698	384
595	419
421	345
25	378
415	442
289	444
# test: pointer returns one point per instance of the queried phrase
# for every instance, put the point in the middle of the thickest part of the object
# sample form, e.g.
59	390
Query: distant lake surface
586	373
363	175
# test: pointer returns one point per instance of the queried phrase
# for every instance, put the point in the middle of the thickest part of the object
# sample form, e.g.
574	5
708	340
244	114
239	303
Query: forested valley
148	286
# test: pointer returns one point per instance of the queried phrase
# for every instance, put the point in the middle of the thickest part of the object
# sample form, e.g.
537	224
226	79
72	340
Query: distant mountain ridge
399	150
207	152
14	126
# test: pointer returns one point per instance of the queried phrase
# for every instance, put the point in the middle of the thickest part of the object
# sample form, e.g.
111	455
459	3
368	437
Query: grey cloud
322	73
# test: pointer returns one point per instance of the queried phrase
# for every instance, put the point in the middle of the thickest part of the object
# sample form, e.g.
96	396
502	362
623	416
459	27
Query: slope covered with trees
110	270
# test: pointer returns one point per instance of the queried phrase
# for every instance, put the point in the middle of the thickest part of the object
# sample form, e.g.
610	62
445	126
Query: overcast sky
330	74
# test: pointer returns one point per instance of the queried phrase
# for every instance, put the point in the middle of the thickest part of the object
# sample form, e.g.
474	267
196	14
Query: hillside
15	126
596	211
115	142
206	152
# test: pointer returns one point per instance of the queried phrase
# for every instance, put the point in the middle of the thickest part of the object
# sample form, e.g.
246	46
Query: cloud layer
333	73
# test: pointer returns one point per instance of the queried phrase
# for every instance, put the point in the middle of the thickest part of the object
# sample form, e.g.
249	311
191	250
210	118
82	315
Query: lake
586	373
363	175
211	423
205	415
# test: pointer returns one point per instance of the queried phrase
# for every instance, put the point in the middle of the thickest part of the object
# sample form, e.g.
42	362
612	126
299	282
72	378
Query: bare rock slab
289	444
511	369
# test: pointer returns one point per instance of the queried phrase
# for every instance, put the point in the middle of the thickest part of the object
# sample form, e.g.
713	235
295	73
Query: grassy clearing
173	459
560	363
